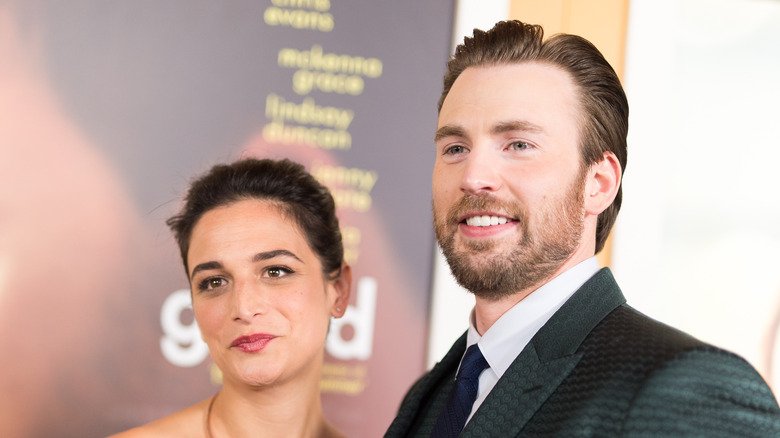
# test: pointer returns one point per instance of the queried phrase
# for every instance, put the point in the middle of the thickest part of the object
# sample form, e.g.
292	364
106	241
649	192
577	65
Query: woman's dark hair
284	183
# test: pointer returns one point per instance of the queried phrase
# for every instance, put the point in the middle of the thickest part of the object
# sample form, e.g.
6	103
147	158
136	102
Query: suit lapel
420	397
546	360
517	396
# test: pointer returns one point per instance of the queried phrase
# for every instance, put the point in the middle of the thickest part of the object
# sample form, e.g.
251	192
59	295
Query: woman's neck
293	409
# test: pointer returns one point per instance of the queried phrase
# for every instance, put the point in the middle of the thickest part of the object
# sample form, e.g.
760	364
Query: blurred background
108	109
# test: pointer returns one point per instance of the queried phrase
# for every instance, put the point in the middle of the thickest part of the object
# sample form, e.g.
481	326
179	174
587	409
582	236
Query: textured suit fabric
599	368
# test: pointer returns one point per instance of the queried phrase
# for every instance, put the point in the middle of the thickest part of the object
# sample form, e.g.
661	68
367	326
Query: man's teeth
486	221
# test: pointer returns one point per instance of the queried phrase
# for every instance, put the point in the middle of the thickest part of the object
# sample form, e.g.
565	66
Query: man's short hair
604	105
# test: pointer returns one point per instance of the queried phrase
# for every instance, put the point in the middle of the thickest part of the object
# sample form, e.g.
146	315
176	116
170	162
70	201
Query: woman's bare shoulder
188	422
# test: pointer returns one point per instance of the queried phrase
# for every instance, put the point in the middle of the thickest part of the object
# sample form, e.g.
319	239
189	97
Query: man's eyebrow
516	125
275	253
205	267
449	131
501	127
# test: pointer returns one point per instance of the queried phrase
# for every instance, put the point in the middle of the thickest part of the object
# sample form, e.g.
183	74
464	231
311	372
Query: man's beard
550	237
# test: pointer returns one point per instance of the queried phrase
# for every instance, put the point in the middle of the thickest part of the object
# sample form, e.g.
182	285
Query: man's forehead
510	96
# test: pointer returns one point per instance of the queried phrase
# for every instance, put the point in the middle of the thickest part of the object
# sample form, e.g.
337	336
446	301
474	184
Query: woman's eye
277	271
211	283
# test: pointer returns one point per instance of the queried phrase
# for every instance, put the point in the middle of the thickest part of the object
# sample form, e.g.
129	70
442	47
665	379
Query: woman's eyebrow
265	255
205	267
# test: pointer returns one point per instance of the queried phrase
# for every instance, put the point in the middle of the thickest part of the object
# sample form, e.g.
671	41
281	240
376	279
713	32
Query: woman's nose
248	301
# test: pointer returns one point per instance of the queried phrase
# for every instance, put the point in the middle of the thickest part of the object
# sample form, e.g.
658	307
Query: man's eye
520	145
454	150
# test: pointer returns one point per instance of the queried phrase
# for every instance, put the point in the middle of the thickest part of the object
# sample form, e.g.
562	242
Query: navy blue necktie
452	419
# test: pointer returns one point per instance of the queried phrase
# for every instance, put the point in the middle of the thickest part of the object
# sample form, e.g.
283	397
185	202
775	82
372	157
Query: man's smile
486	220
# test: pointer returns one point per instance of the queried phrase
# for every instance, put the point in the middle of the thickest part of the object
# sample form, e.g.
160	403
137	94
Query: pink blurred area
74	260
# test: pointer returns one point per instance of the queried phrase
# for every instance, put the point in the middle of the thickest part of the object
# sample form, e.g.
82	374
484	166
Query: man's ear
602	184
342	286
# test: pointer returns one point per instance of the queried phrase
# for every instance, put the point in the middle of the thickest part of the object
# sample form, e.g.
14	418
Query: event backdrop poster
109	109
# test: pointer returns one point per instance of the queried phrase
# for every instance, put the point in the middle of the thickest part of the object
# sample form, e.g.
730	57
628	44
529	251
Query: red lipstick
251	343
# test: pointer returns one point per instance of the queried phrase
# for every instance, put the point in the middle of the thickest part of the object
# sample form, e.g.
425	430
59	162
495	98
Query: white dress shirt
509	335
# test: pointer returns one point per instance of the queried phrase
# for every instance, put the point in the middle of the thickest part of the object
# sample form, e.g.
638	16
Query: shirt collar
509	335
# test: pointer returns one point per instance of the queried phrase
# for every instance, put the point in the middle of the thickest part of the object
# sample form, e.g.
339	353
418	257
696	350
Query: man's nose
480	171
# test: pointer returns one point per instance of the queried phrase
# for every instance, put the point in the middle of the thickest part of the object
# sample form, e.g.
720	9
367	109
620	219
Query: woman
262	249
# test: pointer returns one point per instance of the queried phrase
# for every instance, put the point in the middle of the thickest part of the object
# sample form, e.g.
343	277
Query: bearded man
531	147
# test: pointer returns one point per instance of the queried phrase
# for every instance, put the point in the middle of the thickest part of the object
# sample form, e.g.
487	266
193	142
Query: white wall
696	244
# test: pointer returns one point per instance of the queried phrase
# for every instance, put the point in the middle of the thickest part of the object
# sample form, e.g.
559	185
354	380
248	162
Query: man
531	146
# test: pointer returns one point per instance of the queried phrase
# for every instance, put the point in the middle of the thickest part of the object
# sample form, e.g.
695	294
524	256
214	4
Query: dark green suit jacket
599	368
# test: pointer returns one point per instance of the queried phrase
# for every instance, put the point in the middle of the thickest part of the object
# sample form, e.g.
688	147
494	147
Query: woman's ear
342	286
602	184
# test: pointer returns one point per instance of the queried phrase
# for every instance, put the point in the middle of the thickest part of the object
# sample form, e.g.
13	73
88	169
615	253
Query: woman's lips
251	343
